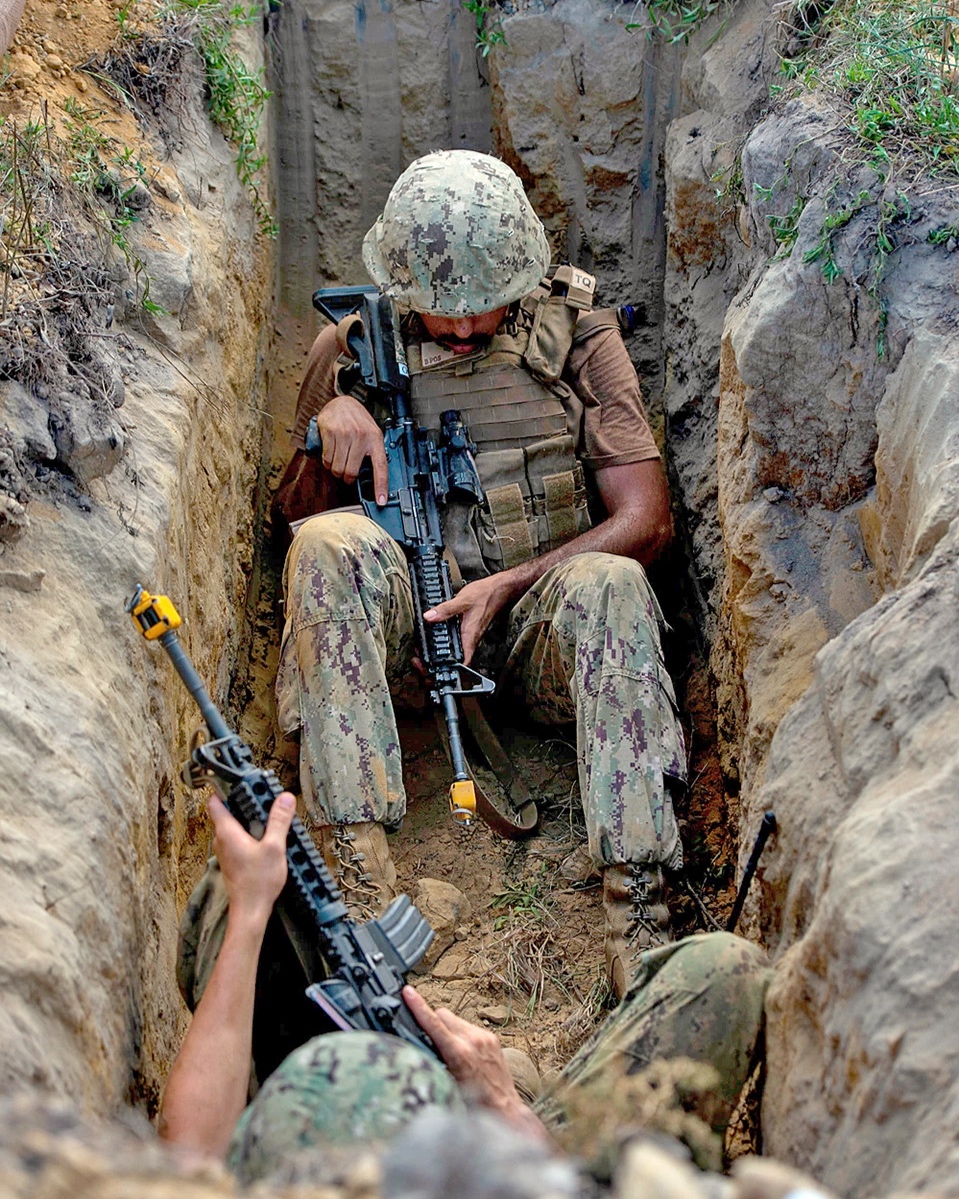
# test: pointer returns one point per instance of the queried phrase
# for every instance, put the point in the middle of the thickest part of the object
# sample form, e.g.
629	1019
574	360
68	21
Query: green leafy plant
891	69
489	28
107	175
236	94
522	900
943	235
822	251
896	65
785	229
675	20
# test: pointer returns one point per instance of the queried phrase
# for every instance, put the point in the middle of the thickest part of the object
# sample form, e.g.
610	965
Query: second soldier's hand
350	435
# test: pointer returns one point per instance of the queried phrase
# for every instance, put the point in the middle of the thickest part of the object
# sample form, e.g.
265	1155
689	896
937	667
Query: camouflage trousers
700	998
582	646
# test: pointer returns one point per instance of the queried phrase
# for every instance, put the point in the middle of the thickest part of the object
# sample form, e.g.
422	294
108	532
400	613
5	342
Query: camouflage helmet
457	237
340	1089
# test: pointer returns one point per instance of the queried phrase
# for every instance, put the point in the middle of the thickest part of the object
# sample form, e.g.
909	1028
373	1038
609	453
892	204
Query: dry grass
673	1097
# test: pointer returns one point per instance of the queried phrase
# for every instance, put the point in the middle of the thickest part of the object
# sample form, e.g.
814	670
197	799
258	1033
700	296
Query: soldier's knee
590	577
344	550
333	533
723	960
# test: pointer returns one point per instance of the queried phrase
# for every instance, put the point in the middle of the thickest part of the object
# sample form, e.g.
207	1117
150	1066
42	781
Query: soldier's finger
341	453
280	818
429	1021
329	448
354	460
445	610
223	819
380	470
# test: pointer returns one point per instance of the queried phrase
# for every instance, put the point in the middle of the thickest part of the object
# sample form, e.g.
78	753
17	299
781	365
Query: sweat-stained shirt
614	431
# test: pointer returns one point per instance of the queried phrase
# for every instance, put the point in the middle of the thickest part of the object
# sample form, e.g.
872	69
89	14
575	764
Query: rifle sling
519	816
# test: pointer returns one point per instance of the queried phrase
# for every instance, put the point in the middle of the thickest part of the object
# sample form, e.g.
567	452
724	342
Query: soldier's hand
350	435
475	1058
477	604
473	1055
254	871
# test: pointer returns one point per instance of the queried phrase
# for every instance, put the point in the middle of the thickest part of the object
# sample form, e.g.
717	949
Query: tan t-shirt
615	427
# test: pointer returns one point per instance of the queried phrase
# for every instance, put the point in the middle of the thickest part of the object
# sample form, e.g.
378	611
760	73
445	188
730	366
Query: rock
444	1154
89	443
453	964
578	866
25	66
14	521
26	416
524	1073
138	196
647	1172
48	1148
763	1178
496	1013
446	908
22	580
169	265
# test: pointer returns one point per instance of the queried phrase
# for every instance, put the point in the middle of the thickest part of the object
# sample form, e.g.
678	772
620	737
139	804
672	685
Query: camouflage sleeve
317	386
616	430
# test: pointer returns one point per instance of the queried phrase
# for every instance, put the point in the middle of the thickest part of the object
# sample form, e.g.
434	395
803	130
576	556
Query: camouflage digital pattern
583	647
348	637
202	929
343	1088
699	998
457	235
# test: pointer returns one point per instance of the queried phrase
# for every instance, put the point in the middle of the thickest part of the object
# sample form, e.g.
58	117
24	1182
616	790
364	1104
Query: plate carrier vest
525	420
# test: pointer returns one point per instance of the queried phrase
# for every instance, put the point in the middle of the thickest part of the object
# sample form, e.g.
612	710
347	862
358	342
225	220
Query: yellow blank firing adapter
463	801
153	615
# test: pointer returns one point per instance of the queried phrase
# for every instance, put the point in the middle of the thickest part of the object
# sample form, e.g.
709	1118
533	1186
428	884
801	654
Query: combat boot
637	919
359	857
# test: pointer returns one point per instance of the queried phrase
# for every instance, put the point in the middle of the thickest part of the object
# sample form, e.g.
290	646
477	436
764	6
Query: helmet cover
339	1089
457	237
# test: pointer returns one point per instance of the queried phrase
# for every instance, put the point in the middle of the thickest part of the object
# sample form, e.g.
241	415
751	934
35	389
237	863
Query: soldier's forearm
628	532
208	1086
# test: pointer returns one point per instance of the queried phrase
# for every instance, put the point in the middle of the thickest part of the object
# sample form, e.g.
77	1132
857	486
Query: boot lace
645	893
360	889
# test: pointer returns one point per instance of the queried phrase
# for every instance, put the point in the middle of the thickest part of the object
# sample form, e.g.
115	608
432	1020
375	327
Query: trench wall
816	456
99	838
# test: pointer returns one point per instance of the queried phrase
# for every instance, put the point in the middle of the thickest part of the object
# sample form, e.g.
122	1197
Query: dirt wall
99	837
829	555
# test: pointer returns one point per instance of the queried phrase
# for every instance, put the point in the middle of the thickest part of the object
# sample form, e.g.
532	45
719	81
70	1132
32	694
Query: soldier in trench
555	593
700	998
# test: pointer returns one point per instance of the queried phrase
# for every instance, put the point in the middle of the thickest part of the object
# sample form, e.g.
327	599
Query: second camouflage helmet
457	236
350	1089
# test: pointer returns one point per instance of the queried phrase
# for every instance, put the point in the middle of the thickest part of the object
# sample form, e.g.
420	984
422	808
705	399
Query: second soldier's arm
474	1056
208	1086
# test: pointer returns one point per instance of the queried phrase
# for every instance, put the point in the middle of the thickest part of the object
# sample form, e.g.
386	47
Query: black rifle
767	827
355	971
422	474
